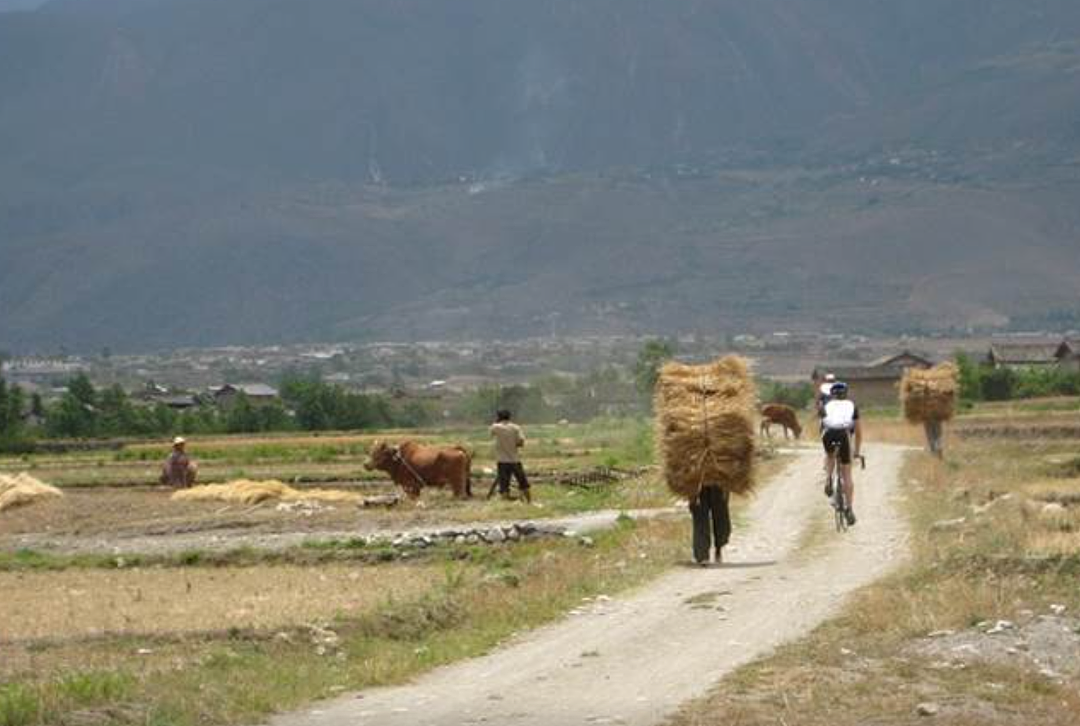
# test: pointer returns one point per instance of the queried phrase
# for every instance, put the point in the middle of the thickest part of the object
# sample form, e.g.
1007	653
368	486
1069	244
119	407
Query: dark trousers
505	471
711	514
933	437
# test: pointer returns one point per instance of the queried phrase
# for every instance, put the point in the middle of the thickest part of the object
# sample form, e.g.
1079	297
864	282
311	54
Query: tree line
981	382
310	404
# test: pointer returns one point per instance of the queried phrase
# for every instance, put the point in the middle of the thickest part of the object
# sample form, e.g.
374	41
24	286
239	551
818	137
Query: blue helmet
839	389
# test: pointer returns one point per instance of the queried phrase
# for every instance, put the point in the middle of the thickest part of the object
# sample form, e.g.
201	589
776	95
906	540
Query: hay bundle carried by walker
247	492
930	395
705	426
22	489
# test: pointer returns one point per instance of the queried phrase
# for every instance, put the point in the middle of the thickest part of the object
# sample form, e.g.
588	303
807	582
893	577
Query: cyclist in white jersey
840	418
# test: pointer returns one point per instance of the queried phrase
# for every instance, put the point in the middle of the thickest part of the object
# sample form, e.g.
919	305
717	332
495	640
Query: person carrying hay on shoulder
179	470
705	428
929	397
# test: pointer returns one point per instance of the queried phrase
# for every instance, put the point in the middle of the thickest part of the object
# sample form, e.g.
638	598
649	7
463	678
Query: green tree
12	431
647	367
5	411
998	384
242	417
75	415
320	406
970	376
414	414
117	417
272	416
37	406
796	395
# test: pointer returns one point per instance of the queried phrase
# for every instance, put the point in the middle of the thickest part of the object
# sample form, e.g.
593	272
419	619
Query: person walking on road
712	521
508	441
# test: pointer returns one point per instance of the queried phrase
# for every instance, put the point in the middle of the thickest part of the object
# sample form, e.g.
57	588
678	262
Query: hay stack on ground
929	396
22	489
245	491
705	426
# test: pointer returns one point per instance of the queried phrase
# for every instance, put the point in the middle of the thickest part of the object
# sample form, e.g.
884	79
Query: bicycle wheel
840	505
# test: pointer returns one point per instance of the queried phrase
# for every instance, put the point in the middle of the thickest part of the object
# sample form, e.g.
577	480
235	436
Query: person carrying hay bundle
929	398
705	434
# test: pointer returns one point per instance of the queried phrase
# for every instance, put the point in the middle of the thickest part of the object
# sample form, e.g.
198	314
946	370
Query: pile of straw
930	395
15	491
247	492
705	426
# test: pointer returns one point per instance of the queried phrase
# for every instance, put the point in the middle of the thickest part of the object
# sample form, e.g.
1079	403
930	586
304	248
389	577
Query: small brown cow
414	466
778	413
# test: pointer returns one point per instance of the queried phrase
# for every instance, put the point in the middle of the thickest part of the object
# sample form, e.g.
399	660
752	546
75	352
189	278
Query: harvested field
88	520
125	512
1026	432
91	603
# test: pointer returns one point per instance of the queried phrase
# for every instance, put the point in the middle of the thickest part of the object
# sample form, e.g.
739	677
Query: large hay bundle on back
705	426
21	489
245	491
930	395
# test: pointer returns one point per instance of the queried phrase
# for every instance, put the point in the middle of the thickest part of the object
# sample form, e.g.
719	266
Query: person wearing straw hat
712	520
179	470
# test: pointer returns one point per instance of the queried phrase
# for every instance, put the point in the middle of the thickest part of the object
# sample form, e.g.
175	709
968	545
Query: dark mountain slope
196	171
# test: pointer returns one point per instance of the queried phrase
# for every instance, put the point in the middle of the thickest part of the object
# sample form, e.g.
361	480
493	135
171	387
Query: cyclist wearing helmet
840	418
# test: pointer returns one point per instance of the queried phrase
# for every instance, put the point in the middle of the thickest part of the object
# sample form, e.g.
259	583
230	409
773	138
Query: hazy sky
6	5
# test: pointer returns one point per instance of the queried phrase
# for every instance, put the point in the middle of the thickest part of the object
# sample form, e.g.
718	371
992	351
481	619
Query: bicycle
837	500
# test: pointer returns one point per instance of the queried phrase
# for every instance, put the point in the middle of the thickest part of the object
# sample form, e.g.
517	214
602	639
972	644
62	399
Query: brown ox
414	466
777	413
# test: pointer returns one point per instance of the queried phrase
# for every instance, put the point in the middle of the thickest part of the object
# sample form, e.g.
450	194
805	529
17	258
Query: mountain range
186	172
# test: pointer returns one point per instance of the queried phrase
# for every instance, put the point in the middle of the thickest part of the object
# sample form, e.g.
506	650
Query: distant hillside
206	171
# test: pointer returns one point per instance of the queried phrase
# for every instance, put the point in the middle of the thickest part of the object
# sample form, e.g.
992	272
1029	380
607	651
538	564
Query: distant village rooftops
904	359
875	383
251	390
1023	354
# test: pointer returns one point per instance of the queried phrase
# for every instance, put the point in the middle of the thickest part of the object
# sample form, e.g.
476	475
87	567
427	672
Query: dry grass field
983	628
93	603
225	638
111	494
194	639
198	639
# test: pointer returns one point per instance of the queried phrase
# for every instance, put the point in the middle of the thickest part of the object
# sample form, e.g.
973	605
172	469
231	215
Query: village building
179	402
1068	355
876	383
1020	356
257	393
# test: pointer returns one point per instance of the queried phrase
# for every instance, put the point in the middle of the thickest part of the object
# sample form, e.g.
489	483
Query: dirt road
634	660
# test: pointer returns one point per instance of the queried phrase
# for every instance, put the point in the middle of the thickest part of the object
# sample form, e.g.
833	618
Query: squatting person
179	470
